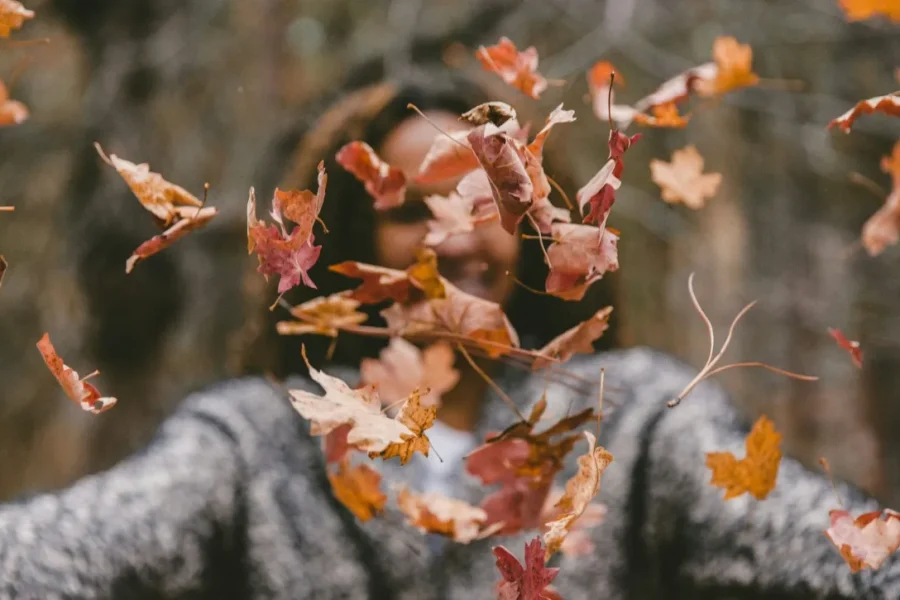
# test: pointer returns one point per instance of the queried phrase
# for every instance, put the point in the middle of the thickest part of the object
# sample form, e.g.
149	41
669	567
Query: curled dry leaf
301	207
12	16
325	315
528	582
557	116
663	115
518	69
157	195
683	180
504	163
579	339
378	283
600	192
497	113
358	488
12	112
402	368
734	68
858	10
580	491
386	184
79	390
450	156
578	542
197	219
866	541
889	105
754	474
435	513
370	430
851	347
579	256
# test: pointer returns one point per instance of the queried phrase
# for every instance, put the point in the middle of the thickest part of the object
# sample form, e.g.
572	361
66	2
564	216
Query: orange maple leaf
435	513
417	419
518	69
12	16
358	489
754	474
77	388
324	315
858	10
580	490
683	179
12	112
734	68
663	115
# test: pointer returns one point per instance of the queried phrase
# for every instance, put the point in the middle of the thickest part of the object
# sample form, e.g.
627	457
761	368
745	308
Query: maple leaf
450	156
325	315
663	115
524	463
858	10
578	541
579	256
3	266
683	180
156	194
436	513
358	488
455	214
889	105
518	69
754	474
866	541
301	207
386	184
370	430
528	582
181	227
417	419
851	347
423	274
580	490
734	68
511	186
12	16
402	368
580	338
79	390
12	112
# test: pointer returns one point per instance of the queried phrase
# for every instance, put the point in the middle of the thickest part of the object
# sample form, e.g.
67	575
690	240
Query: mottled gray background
201	89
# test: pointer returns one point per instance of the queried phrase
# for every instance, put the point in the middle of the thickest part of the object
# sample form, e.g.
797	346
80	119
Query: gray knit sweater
231	501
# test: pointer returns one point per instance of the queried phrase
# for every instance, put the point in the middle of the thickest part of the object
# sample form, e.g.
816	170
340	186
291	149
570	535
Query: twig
562	193
540	237
523	285
7	208
491	383
870	185
433	124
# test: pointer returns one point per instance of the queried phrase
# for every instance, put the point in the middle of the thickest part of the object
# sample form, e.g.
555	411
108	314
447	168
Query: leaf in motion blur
435	513
12	16
889	105
754	474
851	347
882	229
578	339
518	69
324	315
358	488
12	112
858	10
734	68
683	179
866	541
386	184
78	389
402	367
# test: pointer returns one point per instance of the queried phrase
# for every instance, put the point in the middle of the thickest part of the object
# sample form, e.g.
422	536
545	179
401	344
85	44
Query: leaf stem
491	383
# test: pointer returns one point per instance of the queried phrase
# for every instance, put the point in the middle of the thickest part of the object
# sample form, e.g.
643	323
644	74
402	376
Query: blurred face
475	262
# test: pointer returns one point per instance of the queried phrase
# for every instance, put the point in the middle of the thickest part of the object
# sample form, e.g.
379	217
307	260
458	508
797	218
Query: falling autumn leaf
866	541
456	214
518	69
301	207
858	10
358	488
450	156
386	184
528	582
417	419
580	491
182	227
851	347
379	283
556	117
734	68
663	115
12	16
497	113
579	339
12	112
889	105
882	229
402	368
578	541
370	430
435	513
3	266
683	180
579	256
754	474
79	390
511	186
600	192
325	315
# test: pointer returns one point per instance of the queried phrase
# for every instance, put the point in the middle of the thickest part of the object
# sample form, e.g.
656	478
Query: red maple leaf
528	582
386	184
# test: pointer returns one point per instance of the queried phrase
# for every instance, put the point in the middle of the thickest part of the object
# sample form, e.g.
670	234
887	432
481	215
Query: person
232	499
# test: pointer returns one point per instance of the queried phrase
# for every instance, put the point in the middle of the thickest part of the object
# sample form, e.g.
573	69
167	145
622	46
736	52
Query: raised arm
680	537
217	506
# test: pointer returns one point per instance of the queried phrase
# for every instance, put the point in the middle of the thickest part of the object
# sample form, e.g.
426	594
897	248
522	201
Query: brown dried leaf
180	228
889	105
435	513
577	339
79	390
12	112
358	488
325	315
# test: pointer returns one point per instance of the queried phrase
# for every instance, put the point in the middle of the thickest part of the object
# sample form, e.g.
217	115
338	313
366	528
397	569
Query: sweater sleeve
212	508
669	533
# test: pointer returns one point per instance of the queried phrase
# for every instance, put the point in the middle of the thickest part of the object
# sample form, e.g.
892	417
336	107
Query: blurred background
206	91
